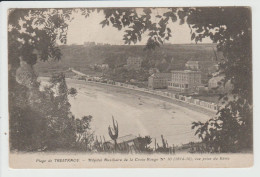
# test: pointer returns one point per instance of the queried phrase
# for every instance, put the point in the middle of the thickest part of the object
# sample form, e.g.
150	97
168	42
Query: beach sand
136	113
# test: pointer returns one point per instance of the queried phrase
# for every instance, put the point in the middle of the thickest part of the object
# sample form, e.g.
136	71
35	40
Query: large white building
185	81
159	80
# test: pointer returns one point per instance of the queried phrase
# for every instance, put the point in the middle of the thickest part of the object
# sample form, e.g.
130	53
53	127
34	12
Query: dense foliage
144	144
40	118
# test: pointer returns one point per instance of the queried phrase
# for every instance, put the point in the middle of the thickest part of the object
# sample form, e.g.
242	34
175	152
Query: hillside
80	56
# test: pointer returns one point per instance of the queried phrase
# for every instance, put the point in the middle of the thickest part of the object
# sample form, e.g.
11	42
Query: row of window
178	85
190	81
186	77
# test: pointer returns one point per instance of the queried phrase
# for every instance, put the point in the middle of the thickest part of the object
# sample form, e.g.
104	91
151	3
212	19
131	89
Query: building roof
220	79
192	62
161	75
153	69
125	138
185	71
134	58
216	79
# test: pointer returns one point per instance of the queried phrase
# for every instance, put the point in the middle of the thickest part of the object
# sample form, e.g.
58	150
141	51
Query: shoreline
147	94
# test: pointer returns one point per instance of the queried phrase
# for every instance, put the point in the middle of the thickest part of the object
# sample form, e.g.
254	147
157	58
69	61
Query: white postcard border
7	172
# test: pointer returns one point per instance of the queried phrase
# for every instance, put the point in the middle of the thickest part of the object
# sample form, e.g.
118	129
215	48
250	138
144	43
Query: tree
73	92
39	120
61	123
84	134
144	143
164	148
113	133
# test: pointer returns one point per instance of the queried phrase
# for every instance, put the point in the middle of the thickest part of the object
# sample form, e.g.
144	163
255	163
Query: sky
88	29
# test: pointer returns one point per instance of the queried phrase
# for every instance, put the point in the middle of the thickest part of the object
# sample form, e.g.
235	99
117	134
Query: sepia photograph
127	87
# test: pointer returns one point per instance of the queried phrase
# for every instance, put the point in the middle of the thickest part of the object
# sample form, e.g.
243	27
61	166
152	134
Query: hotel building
185	81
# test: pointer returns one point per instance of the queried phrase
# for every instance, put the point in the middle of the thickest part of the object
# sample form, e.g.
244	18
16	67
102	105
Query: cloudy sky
83	29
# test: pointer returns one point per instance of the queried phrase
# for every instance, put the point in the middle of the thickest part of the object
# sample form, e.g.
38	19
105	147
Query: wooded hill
174	56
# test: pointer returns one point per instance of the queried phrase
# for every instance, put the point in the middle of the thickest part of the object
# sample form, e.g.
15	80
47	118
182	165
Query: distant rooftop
192	62
125	138
185	71
158	75
134	58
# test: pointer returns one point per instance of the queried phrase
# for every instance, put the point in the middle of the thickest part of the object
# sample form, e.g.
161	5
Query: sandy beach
136	113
